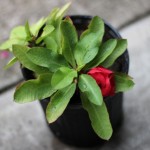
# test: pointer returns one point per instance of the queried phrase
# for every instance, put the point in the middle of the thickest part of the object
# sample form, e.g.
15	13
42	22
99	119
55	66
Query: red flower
105	80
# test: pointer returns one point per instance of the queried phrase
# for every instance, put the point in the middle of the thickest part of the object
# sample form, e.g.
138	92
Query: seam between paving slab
10	86
134	20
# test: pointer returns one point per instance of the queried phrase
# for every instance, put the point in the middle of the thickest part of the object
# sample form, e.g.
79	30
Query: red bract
105	79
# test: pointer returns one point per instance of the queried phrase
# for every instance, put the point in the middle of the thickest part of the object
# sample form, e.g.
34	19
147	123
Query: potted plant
77	67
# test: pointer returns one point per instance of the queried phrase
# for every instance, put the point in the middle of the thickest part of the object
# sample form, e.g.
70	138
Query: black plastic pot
74	127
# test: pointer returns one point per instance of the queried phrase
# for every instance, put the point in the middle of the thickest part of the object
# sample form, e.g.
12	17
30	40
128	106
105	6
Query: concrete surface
23	127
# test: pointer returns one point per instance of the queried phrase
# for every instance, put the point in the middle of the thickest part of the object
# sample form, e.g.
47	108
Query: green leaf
52	16
35	28
99	118
46	32
96	26
51	43
86	49
61	11
63	77
46	58
11	62
89	87
123	82
118	51
55	19
17	36
7	45
89	43
20	53
59	102
28	32
18	33
56	35
104	51
31	90
70	39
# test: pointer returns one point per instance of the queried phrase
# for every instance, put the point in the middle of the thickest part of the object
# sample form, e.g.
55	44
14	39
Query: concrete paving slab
16	12
23	127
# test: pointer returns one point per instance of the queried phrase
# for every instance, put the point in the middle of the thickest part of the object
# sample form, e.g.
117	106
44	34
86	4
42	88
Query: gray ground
22	127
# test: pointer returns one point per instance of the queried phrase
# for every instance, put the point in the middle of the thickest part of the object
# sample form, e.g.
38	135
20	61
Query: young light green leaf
118	51
7	45
11	63
51	43
55	19
46	58
89	87
18	33
20	53
123	82
28	32
99	118
63	77
104	51
52	16
61	12
70	39
86	49
17	36
96	26
35	89
35	28
46	32
59	102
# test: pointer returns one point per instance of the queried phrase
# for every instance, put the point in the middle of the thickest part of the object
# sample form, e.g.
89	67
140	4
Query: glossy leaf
63	77
34	89
118	51
99	118
59	102
89	87
123	82
104	51
20	53
70	39
46	58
